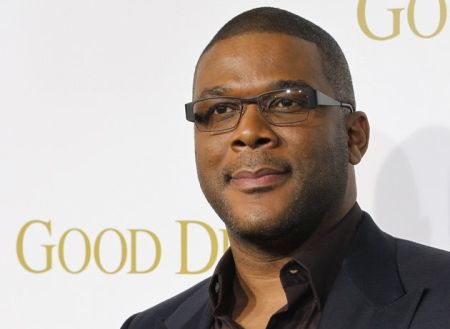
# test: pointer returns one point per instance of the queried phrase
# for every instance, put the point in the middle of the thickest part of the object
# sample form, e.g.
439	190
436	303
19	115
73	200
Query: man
276	138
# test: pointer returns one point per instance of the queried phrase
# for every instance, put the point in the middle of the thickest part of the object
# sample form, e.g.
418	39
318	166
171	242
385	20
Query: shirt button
294	271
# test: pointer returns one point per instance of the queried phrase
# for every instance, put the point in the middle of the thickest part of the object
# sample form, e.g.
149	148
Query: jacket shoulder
426	268
422	264
149	318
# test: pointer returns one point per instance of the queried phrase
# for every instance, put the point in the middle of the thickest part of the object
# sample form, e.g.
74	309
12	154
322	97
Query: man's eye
222	109
288	105
285	103
216	112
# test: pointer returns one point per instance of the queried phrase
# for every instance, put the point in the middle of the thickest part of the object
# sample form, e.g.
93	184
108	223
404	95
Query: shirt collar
322	257
221	284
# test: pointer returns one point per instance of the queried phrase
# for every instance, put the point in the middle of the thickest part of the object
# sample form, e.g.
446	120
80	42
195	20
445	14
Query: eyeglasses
281	107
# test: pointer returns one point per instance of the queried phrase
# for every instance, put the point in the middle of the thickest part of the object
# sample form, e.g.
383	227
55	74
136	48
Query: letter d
157	259
184	247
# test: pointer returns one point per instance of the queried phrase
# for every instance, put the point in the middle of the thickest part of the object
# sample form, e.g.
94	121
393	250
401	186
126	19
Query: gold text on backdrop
396	16
214	246
129	244
62	253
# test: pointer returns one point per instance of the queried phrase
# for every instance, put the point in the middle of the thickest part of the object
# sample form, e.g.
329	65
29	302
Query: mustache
256	160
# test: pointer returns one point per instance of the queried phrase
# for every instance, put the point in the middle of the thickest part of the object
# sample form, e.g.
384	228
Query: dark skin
260	212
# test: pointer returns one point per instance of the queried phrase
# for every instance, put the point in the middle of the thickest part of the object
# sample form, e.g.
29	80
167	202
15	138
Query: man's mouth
257	180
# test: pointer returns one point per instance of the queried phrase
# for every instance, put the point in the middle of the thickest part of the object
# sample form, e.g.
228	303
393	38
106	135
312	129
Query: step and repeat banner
101	212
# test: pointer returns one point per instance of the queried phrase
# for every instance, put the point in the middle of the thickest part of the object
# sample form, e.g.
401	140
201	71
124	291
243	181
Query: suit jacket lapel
368	292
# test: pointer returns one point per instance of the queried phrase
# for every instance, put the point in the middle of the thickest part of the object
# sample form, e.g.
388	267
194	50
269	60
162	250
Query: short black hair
275	20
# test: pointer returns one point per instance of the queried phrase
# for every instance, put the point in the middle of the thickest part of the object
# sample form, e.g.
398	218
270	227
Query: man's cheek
214	154
207	167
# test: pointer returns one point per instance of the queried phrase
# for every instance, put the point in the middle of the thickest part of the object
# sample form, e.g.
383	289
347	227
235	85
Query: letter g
48	248
362	20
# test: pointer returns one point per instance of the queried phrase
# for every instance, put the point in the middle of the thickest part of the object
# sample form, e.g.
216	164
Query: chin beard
286	233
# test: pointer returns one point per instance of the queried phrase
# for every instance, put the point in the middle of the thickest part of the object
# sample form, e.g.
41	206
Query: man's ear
358	131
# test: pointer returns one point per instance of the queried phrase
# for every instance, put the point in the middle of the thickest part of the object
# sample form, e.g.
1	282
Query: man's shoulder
415	262
409	249
160	312
427	269
422	264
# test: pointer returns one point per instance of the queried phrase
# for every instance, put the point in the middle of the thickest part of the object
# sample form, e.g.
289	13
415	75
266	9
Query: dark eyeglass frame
319	99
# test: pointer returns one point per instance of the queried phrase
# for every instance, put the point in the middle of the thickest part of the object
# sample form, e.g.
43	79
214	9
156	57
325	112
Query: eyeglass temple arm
323	99
189	112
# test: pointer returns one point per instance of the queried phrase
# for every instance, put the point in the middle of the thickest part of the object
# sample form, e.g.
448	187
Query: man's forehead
233	46
262	60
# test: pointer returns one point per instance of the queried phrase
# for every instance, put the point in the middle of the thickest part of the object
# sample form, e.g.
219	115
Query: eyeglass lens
280	107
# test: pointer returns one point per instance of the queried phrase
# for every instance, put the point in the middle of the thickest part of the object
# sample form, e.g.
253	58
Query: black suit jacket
383	283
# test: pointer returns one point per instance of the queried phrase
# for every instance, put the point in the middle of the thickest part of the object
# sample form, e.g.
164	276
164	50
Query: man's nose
253	131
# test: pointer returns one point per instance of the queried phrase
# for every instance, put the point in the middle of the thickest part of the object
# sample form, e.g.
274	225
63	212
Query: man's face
267	181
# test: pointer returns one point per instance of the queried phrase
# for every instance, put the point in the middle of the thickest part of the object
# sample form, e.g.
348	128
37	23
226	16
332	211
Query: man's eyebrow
281	84
224	90
214	91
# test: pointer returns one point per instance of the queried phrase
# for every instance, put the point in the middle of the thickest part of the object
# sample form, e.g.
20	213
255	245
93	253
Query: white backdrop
94	145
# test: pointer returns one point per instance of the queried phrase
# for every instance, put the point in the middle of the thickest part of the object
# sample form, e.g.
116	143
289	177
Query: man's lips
263	178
